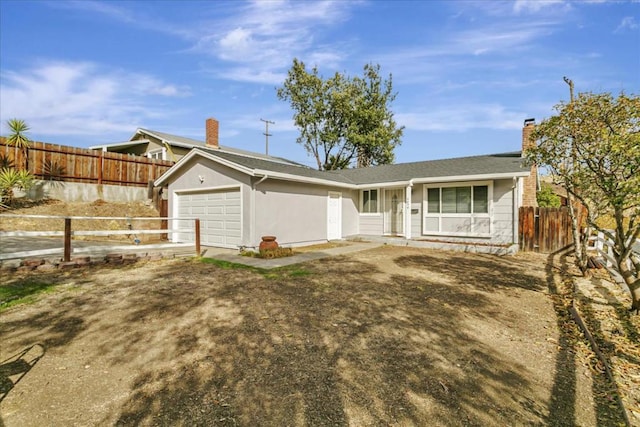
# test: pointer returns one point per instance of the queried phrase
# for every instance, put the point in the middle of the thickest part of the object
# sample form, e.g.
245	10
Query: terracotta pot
268	243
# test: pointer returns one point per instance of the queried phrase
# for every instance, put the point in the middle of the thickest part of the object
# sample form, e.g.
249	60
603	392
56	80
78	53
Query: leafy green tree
18	138
372	128
592	146
342	119
547	198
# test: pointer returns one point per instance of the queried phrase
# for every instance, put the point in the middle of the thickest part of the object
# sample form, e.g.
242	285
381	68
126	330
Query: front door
394	211
334	216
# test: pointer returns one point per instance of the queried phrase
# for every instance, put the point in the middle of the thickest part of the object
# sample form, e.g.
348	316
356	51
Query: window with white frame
369	201
156	154
458	209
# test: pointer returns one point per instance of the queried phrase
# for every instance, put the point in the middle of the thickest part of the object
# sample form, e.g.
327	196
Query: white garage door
219	213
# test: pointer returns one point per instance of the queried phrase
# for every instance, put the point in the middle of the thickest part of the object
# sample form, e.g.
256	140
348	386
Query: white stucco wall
297	213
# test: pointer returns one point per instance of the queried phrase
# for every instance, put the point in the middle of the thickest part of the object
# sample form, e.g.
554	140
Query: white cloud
534	6
627	23
463	118
266	36
79	98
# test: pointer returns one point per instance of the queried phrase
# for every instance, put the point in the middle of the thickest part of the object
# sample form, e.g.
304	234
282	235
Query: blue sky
467	73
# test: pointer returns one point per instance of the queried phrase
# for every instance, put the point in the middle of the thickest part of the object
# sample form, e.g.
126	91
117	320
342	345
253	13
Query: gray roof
172	139
193	143
252	162
491	164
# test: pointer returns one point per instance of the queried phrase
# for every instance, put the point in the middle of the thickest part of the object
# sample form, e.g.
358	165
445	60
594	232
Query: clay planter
268	243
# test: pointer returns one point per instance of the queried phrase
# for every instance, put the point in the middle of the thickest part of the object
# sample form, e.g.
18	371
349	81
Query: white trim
105	147
471	215
329	235
474	178
208	189
407	210
162	151
193	153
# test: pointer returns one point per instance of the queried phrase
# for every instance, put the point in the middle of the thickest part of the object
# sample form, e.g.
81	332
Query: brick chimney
530	187
211	134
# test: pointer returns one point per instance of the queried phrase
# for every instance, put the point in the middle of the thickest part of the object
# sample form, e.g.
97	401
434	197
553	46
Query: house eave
307	180
478	177
124	144
436	179
196	152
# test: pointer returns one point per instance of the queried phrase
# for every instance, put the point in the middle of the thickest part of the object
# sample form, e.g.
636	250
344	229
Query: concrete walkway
231	255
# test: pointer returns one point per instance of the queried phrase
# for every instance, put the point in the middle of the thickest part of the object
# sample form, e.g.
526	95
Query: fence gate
544	229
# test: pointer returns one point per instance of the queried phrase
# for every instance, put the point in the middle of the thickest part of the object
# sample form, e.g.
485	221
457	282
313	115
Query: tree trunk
631	276
578	244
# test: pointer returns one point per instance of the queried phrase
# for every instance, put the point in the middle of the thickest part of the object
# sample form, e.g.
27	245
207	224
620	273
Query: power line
267	134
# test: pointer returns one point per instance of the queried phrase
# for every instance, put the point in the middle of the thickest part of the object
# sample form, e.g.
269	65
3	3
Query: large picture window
369	201
457	209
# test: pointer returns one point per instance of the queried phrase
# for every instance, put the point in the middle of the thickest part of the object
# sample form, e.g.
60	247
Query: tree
592	147
342	118
546	197
18	138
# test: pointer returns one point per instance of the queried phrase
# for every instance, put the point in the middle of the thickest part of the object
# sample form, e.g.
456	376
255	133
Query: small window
369	201
480	199
156	154
433	200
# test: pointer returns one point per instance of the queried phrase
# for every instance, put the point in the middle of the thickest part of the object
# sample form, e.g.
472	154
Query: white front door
334	216
394	211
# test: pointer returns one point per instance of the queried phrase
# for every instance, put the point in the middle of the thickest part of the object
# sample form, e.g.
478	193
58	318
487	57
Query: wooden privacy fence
544	229
72	164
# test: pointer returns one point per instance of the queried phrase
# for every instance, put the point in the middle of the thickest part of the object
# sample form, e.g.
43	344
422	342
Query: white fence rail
68	233
603	246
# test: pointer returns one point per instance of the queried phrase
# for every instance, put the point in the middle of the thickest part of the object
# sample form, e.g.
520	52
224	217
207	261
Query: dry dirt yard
385	337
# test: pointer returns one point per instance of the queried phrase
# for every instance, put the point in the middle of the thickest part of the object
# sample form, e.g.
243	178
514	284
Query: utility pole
267	134
568	81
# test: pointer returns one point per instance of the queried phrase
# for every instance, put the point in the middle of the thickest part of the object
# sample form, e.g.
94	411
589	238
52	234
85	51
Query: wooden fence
544	229
62	163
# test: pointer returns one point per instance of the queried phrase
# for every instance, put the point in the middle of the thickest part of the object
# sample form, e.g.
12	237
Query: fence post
197	237
67	239
100	166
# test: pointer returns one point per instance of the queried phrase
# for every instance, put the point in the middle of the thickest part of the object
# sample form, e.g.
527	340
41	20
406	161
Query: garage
220	217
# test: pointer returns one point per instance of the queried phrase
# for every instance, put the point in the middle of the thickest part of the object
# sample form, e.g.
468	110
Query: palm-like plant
19	139
10	179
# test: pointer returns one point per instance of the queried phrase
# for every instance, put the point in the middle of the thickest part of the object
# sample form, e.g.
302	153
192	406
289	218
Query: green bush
547	198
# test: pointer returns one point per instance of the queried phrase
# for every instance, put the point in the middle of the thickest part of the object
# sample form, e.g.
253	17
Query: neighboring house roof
493	166
181	141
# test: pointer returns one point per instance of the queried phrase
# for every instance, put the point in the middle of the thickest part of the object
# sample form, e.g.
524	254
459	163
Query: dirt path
392	336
